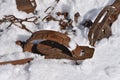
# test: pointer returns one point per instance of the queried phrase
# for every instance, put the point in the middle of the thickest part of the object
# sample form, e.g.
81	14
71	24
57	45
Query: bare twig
15	21
49	18
76	17
17	62
51	8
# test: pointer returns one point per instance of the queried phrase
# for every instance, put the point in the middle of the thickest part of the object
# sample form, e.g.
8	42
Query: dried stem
14	21
51	8
17	62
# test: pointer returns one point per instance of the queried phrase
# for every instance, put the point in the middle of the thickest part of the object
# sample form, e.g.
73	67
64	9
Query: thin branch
17	62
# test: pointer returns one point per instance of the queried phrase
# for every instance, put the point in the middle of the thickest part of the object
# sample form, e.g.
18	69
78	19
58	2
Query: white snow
105	64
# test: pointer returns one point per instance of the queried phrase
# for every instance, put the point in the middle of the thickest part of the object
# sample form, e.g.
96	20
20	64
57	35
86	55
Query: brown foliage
76	17
64	23
88	23
27	6
65	14
83	52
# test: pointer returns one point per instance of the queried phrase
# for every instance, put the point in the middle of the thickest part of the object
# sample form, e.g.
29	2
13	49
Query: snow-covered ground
105	64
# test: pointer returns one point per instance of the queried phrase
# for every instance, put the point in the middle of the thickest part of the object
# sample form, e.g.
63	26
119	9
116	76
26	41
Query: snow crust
105	64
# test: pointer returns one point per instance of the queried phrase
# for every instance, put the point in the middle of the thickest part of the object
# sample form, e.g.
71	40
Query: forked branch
18	21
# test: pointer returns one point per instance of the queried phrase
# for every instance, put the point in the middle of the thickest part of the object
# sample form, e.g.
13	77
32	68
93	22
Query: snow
105	64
